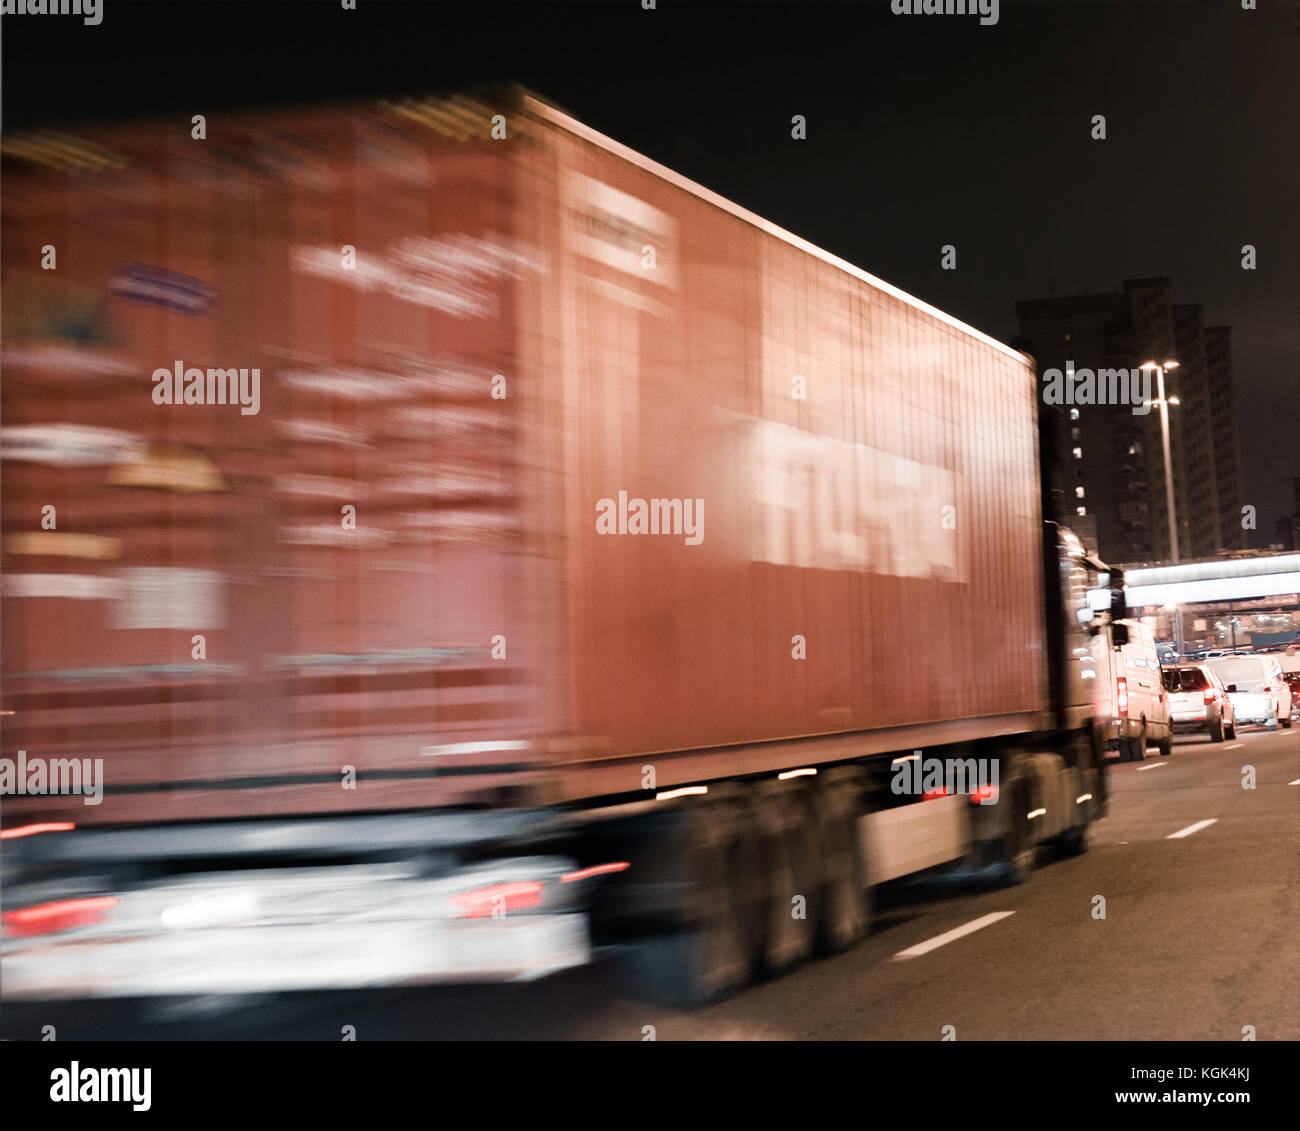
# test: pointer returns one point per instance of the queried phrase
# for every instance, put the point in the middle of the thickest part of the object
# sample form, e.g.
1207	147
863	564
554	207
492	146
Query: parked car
1258	692
1199	703
1131	693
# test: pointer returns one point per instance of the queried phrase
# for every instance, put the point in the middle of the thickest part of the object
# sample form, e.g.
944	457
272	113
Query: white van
1130	697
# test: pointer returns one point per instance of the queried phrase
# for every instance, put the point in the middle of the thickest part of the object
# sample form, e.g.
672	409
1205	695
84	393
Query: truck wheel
1286	723
791	872
1231	729
1074	841
711	955
1015	852
844	918
1217	731
1166	746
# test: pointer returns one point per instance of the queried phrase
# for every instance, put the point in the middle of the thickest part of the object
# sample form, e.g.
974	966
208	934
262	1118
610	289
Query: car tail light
47	918
930	795
1211	695
984	795
1121	693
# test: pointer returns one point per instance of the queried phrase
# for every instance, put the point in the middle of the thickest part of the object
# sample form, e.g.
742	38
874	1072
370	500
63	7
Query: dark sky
922	131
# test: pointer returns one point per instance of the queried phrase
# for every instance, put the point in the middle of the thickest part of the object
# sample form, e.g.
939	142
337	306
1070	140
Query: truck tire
712	953
845	913
1286	723
1217	731
1135	749
1015	851
1166	745
1231	729
791	876
1074	841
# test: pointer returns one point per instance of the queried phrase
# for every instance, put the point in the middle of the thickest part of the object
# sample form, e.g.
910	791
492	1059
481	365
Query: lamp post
1164	403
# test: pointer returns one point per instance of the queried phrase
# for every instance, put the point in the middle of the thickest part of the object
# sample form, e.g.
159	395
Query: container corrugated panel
348	553
866	469
865	570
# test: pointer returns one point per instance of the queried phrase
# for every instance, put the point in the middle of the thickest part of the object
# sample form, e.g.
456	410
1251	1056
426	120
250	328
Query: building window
1078	453
1074	414
1078	492
1081	511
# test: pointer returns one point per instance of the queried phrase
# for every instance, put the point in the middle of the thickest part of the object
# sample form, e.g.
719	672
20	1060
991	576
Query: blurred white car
1256	688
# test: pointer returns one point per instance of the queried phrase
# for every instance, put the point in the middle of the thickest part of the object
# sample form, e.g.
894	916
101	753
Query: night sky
922	131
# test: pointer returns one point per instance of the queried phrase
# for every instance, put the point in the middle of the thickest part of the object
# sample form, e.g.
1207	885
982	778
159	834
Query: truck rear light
47	918
1121	695
596	870
497	899
32	830
1211	695
930	795
984	795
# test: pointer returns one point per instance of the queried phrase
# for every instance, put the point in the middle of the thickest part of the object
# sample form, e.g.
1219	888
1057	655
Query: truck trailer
445	544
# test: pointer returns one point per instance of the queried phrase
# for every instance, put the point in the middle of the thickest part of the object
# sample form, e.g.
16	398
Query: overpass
1205	588
1223	579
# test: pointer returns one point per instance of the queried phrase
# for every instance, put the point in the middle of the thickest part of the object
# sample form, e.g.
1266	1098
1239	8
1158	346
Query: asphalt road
1200	937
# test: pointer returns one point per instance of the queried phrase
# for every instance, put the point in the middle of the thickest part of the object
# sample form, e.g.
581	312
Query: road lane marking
953	935
1234	745
1196	828
1296	782
1153	766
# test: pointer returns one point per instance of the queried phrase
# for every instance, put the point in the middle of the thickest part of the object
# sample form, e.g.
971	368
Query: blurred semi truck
442	543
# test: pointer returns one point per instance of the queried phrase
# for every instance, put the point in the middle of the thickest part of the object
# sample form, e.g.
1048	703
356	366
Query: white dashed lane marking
953	935
1196	828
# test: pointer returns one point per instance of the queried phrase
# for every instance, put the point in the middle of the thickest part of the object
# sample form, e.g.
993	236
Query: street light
1164	403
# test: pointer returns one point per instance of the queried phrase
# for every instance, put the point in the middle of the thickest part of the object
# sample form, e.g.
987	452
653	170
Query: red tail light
1211	695
497	899
32	830
984	795
46	918
933	793
596	870
1121	692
